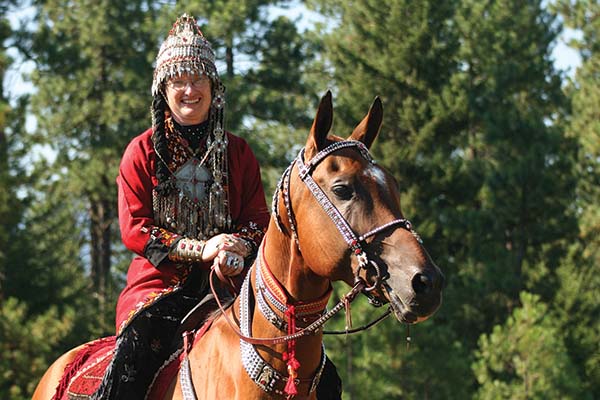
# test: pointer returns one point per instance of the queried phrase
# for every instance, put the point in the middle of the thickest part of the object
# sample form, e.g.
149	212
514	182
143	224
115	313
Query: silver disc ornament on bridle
355	242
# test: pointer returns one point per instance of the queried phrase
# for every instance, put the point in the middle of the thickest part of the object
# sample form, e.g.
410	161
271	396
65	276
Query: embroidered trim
164	236
277	295
263	295
175	285
84	370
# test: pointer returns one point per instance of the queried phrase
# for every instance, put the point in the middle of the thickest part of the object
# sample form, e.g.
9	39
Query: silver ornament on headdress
184	51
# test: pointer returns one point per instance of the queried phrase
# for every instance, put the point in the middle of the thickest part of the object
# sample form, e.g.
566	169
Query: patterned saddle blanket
83	376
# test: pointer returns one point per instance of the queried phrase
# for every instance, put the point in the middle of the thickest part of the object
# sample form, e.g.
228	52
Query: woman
190	197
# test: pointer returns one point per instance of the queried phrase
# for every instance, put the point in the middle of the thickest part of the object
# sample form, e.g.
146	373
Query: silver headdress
185	50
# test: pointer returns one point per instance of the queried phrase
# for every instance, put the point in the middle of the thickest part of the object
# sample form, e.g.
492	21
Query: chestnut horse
336	217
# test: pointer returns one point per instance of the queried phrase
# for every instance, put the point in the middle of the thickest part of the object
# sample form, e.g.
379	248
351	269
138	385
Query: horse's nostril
421	283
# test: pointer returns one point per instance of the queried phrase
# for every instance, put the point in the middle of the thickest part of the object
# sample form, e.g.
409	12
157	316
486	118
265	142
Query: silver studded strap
185	379
264	308
351	239
262	374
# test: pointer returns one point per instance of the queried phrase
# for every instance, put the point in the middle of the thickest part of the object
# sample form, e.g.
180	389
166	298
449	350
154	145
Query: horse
336	216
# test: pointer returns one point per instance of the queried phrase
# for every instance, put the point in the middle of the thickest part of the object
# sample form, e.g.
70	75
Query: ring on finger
230	261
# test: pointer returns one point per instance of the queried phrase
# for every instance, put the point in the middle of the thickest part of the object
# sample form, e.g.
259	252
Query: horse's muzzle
418	300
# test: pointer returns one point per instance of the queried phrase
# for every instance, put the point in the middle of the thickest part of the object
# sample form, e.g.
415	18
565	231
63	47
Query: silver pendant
192	180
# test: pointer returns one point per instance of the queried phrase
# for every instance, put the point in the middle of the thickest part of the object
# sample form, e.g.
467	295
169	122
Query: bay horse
336	217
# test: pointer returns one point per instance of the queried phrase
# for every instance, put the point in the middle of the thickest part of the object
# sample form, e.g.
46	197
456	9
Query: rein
310	329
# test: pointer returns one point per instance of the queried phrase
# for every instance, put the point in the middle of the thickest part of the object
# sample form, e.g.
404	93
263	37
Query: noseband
354	242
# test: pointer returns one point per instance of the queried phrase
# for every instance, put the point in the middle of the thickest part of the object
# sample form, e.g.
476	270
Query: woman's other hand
225	242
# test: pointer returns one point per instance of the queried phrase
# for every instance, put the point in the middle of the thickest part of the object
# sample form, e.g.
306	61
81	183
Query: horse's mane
211	316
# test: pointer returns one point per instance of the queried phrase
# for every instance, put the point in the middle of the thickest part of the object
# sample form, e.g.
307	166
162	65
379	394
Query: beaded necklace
187	209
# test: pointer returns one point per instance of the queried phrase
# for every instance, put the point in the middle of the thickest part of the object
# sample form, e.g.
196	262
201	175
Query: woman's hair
159	138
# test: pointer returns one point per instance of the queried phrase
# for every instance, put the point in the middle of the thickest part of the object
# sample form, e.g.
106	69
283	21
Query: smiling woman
190	199
189	98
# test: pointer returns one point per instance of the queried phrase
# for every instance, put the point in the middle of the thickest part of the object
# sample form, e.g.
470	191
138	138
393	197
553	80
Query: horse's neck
288	266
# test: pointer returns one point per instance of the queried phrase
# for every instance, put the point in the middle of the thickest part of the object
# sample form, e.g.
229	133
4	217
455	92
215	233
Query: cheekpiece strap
283	188
304	170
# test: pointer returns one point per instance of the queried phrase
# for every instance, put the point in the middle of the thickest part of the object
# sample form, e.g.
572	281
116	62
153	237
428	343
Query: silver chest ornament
192	180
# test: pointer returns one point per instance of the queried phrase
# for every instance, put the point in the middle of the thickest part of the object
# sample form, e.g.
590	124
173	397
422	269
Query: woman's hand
228	252
225	242
230	264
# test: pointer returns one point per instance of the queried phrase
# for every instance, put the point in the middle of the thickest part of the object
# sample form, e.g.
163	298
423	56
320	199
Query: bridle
355	243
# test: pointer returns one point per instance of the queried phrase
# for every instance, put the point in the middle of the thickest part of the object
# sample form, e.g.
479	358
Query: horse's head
352	226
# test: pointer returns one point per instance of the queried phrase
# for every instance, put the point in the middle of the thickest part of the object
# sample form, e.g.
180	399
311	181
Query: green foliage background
496	151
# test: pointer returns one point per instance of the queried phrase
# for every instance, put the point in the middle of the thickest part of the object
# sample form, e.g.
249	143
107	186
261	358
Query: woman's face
189	98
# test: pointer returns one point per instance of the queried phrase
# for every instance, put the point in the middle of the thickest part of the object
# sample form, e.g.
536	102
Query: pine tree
7	192
518	151
92	78
27	346
577	298
405	53
278	97
526	358
30	333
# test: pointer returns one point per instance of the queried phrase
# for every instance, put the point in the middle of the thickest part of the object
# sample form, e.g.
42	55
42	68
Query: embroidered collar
273	295
277	294
193	134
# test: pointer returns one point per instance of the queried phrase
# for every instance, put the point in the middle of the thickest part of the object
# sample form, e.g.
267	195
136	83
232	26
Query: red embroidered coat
147	283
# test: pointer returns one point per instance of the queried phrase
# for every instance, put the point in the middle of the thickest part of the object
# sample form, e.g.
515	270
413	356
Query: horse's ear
369	127
317	139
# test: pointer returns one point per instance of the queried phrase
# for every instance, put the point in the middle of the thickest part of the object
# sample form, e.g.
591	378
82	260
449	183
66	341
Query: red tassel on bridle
290	356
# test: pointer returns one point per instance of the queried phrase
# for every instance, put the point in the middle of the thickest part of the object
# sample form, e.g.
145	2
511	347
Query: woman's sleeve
134	183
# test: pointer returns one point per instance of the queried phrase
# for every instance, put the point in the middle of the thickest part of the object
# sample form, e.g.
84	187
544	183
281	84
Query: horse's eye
343	192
